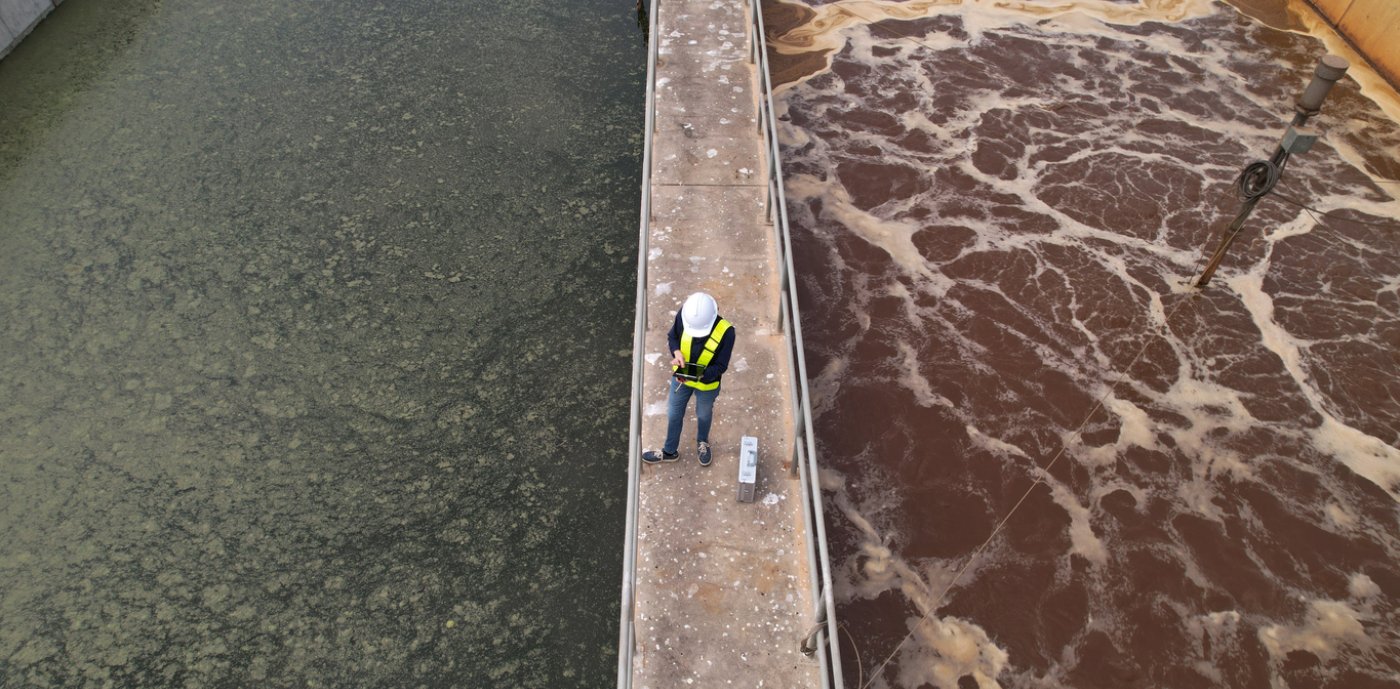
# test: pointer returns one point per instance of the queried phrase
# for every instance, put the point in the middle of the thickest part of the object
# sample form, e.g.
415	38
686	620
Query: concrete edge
10	36
1388	72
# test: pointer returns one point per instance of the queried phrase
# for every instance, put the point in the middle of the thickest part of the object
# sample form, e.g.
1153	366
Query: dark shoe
704	452
657	456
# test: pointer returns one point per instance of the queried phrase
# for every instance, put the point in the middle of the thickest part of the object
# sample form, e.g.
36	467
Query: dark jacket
719	364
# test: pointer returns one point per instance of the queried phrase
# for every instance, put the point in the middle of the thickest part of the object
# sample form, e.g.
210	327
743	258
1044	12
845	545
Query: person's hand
677	359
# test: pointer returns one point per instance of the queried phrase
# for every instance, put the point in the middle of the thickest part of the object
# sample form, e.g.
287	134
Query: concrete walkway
18	18
723	592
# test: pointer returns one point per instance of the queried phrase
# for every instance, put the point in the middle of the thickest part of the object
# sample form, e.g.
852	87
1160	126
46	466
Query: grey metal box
1299	139
748	468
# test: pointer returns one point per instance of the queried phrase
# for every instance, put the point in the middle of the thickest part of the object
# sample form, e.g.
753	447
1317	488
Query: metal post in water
1259	177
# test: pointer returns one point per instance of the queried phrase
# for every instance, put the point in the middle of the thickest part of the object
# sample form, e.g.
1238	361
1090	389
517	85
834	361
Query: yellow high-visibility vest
706	354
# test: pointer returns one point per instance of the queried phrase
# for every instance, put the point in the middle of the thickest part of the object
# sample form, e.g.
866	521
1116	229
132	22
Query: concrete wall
17	19
1373	26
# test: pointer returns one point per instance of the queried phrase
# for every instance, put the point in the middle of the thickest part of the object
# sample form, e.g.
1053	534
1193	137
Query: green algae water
314	332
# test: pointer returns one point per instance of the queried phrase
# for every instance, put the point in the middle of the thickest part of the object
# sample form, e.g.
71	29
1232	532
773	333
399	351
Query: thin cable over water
860	667
1318	214
976	554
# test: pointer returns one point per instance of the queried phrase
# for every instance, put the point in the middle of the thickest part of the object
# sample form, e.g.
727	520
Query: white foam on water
916	382
1083	540
1329	627
825	386
1135	429
943	648
833	23
946	649
1365	454
894	237
1362	586
1209	414
1342	519
993	444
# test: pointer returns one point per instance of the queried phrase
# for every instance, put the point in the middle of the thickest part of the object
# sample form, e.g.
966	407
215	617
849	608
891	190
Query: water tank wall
18	18
1371	26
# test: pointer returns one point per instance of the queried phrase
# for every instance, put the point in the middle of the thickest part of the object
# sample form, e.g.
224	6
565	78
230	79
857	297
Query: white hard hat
699	314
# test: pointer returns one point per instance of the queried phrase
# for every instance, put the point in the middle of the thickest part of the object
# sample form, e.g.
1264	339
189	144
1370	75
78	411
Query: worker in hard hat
699	337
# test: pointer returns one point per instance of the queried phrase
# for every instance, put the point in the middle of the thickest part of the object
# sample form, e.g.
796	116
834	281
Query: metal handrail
626	642
828	647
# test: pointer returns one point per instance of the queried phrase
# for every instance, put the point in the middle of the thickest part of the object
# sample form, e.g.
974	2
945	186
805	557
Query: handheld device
689	372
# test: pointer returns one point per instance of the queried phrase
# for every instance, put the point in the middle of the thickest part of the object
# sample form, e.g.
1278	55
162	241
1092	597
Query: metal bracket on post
749	30
782	310
1299	139
769	199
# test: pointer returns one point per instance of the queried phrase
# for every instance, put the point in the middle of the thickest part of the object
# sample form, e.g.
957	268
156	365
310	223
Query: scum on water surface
997	210
284	290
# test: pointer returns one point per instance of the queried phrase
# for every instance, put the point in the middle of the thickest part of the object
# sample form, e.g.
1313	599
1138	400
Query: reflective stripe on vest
706	354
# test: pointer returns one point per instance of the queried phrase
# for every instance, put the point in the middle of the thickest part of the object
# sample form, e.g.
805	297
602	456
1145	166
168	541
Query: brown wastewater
1055	462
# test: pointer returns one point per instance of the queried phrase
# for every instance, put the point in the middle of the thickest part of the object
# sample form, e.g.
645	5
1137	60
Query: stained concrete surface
723	592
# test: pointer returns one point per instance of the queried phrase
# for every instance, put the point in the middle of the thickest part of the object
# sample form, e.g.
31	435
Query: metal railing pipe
813	482
626	633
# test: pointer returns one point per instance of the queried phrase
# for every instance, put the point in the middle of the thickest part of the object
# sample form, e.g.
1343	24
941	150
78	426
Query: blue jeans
675	414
